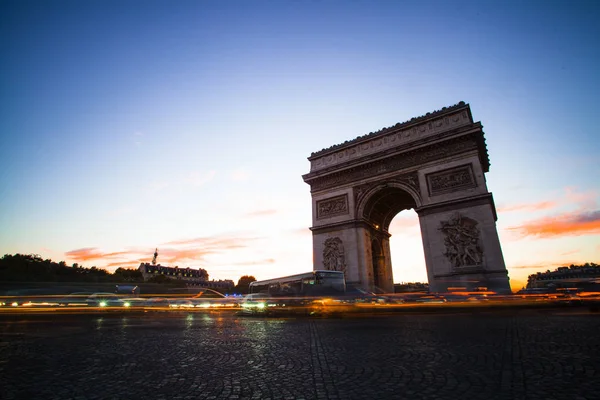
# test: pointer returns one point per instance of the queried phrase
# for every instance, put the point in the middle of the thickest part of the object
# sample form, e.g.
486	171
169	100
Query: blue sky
130	125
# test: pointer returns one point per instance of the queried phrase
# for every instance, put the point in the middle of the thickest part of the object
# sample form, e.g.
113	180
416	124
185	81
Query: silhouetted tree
203	274
32	268
244	283
128	275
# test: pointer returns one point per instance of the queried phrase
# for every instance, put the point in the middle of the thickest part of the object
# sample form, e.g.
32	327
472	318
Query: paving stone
222	356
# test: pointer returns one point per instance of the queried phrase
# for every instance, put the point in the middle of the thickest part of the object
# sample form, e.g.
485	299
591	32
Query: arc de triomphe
434	164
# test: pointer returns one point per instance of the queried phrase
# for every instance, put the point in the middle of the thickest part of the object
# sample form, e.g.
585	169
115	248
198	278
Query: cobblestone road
527	355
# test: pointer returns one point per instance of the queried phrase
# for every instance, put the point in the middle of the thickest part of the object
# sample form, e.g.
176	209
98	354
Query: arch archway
406	247
378	207
434	164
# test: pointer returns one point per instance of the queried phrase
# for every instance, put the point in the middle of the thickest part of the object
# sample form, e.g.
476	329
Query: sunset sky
131	125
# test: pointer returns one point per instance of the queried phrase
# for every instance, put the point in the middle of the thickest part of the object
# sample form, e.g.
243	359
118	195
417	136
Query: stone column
461	245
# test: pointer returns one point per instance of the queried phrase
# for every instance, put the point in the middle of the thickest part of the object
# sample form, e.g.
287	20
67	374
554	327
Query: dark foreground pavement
483	355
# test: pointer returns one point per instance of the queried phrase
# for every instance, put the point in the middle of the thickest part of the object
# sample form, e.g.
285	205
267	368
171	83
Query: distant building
191	277
411	287
581	276
149	271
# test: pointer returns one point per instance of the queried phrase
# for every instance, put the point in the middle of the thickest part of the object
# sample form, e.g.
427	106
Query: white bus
309	284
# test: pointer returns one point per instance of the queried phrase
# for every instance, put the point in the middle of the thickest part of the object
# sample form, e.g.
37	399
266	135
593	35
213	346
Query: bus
127	289
309	284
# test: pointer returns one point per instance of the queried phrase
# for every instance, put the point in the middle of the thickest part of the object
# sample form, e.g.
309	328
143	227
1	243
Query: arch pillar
359	266
461	245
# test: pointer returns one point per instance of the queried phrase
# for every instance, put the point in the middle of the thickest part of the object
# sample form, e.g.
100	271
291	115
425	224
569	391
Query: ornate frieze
399	162
332	206
410	179
450	180
334	258
417	128
461	238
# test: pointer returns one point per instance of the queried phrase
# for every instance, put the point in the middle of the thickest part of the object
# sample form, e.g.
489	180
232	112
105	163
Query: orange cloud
543	205
180	251
537	266
567	224
125	264
544	266
172	256
196	249
92	253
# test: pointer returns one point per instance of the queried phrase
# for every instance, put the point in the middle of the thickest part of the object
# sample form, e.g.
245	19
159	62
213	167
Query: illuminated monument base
434	164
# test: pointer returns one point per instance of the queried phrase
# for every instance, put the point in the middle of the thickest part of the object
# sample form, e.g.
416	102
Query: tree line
33	268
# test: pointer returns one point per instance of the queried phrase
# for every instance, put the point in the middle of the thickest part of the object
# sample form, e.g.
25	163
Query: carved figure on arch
462	241
333	206
334	258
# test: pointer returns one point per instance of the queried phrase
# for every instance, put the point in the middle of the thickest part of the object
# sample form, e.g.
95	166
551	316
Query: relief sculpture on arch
333	255
461	238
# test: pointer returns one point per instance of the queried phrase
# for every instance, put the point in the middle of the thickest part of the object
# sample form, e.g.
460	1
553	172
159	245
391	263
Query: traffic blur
82	301
264	304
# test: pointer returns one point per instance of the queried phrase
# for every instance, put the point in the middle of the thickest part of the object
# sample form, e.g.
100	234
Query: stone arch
434	164
395	197
377	208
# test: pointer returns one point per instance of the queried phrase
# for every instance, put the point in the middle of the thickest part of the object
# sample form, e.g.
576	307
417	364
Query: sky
185	126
